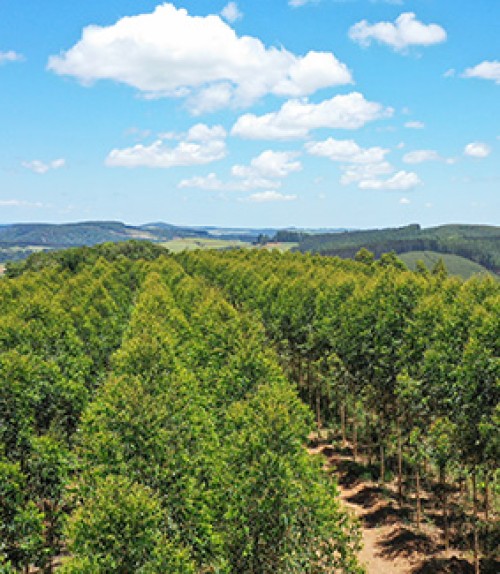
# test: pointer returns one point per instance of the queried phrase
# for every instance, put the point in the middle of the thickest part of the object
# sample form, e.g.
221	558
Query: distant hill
478	243
19	240
455	264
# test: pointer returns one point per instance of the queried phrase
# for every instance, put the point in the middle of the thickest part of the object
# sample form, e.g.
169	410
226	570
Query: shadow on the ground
351	473
367	496
444	566
405	542
384	516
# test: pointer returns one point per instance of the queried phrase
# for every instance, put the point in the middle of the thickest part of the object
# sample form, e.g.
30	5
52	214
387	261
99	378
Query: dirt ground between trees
391	543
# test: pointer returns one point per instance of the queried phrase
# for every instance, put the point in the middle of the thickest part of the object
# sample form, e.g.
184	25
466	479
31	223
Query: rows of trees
406	363
146	426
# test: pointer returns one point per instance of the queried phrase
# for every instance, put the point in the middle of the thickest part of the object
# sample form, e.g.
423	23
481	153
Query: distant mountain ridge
478	243
18	240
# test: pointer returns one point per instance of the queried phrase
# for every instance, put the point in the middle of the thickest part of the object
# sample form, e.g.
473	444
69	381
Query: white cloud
204	133
211	182
264	172
202	145
485	70
273	164
41	167
231	12
297	117
357	173
421	156
450	73
267	196
406	31
415	125
404	201
401	180
10	56
477	149
19	203
169	53
346	151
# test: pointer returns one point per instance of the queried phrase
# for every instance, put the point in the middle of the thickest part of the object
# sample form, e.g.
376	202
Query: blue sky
326	113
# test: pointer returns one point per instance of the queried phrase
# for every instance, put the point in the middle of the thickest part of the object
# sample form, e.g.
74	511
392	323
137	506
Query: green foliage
162	403
121	529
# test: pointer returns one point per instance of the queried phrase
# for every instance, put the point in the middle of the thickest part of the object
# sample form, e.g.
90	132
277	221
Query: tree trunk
318	409
487	496
400	468
382	464
342	423
444	500
417	492
309	384
475	518
355	439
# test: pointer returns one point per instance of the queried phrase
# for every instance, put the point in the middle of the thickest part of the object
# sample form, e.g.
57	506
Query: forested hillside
479	243
155	408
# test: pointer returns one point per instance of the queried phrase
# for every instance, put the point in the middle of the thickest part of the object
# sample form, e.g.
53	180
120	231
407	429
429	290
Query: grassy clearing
280	246
191	243
455	264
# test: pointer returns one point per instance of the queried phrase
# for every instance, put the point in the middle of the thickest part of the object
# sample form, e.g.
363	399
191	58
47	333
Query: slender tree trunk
487	496
309	384
417	492
342	423
355	439
318	409
475	518
382	463
444	499
400	467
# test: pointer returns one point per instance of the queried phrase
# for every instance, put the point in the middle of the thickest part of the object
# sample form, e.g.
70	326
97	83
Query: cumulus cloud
169	53
211	182
485	70
264	171
204	133
273	164
231	12
41	167
202	145
415	125
404	201
267	196
362	172
297	118
10	56
421	156
402	180
406	31
346	151
477	149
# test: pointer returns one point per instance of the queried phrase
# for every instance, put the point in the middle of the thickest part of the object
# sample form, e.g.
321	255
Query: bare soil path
391	543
